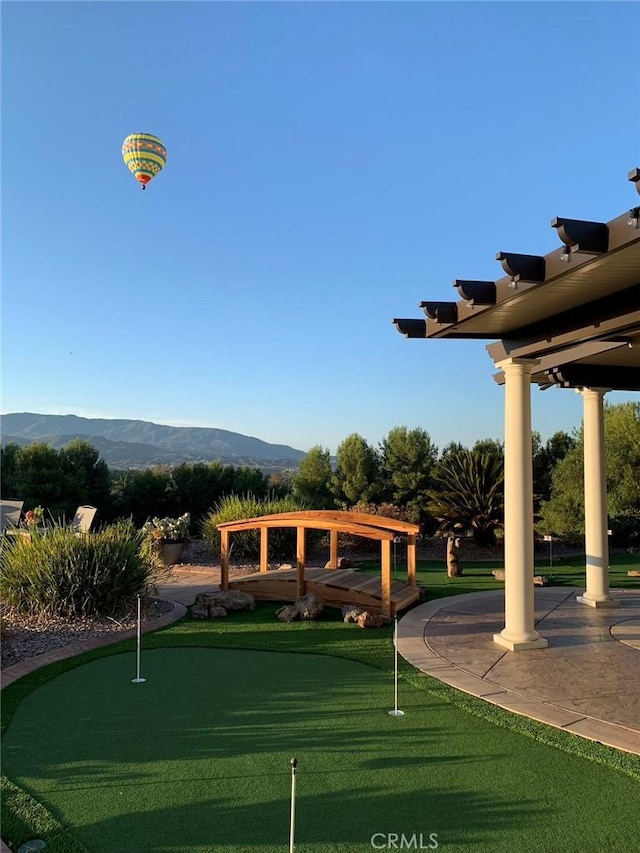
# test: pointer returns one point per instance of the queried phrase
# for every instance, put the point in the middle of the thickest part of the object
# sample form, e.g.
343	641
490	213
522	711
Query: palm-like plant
467	496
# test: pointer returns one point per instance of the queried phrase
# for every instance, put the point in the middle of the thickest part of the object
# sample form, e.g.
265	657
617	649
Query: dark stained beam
578	235
617	314
442	312
634	175
476	292
411	328
596	376
522	267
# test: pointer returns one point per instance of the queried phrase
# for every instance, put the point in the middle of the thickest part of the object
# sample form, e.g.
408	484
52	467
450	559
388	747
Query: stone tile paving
586	682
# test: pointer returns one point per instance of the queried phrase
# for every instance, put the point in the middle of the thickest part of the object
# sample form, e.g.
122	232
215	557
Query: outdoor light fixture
566	253
578	235
634	217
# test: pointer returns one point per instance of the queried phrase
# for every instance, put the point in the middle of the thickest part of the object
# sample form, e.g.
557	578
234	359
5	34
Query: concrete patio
586	682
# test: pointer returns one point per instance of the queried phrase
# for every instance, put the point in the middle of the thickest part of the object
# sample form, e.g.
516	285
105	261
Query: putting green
197	759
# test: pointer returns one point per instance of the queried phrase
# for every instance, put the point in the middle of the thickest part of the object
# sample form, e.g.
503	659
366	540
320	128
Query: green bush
61	573
245	545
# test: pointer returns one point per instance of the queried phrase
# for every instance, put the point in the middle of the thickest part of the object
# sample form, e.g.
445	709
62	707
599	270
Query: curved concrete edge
18	670
414	648
628	632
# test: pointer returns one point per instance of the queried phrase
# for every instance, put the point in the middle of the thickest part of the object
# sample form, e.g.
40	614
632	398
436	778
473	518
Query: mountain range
141	444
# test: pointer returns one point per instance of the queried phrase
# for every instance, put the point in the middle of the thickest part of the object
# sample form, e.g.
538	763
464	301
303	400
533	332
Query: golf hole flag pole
292	829
138	679
396	711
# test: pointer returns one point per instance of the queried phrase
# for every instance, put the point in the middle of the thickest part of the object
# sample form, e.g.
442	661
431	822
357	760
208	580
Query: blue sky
329	166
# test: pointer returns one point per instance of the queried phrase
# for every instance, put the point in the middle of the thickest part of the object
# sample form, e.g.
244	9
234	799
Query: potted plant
168	536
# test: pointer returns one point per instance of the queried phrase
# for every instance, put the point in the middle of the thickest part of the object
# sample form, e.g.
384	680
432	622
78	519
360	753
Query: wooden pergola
571	319
376	527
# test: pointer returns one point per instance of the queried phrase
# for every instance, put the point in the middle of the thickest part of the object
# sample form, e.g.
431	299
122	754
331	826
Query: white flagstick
396	712
137	679
294	764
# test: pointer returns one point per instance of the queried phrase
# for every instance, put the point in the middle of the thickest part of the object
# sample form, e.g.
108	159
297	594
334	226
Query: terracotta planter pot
172	552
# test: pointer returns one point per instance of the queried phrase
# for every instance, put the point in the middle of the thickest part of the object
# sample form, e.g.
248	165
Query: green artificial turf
197	758
477	577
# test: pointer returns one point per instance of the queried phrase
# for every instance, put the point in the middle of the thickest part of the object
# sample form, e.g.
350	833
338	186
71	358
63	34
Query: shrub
61	573
245	545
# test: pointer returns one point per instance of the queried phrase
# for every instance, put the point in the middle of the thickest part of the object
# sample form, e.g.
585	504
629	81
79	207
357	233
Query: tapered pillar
519	626
595	502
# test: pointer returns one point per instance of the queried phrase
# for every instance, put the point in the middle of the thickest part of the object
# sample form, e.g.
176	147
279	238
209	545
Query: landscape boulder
350	613
308	607
288	613
498	574
371	620
540	580
219	603
343	563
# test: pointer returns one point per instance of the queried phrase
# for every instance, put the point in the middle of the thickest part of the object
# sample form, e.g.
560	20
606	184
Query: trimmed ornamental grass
60	572
197	758
477	577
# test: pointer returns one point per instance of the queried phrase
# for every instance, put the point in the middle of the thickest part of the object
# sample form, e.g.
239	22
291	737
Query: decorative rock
218	603
230	599
633	573
288	613
350	613
498	574
540	580
309	606
343	563
370	620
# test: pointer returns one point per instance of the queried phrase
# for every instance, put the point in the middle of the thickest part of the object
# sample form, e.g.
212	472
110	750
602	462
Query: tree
9	455
545	458
467	494
407	461
87	477
563	513
40	480
357	475
312	482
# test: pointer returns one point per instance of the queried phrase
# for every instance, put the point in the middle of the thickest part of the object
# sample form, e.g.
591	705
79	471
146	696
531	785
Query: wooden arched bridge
336	587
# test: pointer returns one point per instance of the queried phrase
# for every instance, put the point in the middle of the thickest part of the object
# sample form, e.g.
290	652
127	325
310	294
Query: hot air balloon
145	156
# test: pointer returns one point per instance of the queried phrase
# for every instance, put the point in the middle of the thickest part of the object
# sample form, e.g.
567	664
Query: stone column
595	501
519	627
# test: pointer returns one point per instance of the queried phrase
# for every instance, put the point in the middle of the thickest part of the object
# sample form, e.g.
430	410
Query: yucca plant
245	545
61	573
467	496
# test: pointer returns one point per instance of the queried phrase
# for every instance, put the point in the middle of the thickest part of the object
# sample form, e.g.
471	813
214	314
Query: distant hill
140	444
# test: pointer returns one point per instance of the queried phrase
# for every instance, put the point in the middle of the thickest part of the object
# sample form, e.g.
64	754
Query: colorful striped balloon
145	156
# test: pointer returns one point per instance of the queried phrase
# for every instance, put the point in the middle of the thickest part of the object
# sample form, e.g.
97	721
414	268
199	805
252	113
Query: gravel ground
25	637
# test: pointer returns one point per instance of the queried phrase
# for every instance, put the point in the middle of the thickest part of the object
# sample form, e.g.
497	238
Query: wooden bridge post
264	549
300	560
386	577
224	559
333	549
411	559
